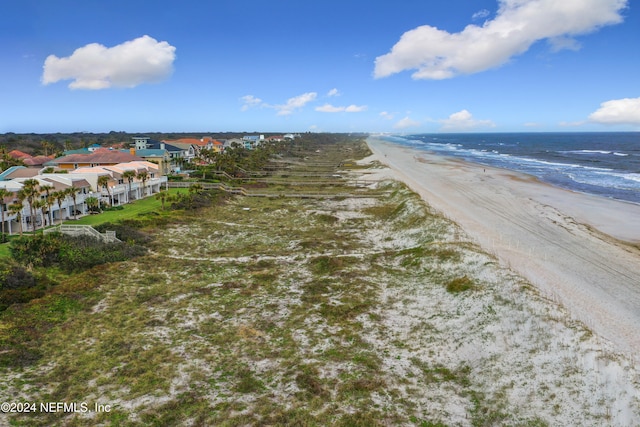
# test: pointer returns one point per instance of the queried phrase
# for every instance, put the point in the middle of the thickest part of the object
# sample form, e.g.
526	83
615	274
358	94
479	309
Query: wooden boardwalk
83	230
250	193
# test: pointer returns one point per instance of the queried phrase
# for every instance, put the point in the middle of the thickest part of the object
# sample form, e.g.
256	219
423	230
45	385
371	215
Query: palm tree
48	200
196	188
39	204
103	181
73	192
60	197
93	203
51	200
162	196
6	161
16	209
226	162
129	175
4	193
29	192
143	176
46	146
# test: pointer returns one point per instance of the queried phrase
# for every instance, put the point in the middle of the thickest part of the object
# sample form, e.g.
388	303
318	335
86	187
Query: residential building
252	141
104	157
119	190
18	172
57	212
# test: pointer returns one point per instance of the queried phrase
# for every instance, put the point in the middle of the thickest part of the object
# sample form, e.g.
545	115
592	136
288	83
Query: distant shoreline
558	239
602	164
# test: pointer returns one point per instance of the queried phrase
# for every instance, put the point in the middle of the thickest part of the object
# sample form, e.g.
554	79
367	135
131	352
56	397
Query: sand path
567	244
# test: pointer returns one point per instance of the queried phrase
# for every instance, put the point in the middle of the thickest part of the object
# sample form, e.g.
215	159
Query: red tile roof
16	154
36	161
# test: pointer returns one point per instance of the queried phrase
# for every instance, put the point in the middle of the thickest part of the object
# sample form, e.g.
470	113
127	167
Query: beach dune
578	249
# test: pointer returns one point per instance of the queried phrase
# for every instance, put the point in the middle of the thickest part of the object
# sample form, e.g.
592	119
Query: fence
244	192
83	230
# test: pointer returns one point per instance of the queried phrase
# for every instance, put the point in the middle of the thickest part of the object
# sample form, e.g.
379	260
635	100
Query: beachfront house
252	141
86	180
193	146
54	212
119	190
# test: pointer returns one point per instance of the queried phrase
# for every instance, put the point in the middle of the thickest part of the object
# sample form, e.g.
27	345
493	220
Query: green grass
4	251
134	210
130	211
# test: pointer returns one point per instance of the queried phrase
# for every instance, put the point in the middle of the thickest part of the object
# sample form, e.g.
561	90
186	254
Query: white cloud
250	101
571	124
406	123
328	108
295	103
618	111
355	108
438	54
333	92
564	43
463	121
94	66
480	14
386	115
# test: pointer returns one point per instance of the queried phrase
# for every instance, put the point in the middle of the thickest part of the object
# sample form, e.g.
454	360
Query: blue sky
332	65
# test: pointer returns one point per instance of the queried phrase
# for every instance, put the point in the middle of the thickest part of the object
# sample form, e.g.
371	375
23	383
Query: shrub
37	250
460	284
18	285
126	231
9	297
203	199
80	253
70	253
324	265
327	219
14	276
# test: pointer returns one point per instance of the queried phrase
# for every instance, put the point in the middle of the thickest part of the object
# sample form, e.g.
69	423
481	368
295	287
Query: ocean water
605	164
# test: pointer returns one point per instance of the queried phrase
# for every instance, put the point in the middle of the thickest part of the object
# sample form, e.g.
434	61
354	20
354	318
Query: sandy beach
577	249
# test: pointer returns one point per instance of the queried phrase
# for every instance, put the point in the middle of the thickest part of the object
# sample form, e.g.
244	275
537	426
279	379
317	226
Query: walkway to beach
559	240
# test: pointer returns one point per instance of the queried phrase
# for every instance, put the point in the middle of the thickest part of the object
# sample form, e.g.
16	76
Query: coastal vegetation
354	305
55	143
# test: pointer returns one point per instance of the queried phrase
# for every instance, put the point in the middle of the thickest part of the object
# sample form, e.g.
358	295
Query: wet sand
578	249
